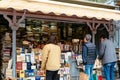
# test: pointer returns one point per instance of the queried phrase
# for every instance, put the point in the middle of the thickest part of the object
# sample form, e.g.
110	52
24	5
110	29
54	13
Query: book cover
19	65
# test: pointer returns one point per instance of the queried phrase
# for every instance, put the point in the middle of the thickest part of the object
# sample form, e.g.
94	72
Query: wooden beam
56	17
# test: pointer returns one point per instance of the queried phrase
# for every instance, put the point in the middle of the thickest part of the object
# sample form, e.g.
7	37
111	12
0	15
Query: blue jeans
52	75
109	70
89	70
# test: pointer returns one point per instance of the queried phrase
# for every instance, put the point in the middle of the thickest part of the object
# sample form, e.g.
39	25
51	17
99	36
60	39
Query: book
19	65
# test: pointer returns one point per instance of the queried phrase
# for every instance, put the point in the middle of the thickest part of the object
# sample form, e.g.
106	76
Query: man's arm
84	54
102	50
44	57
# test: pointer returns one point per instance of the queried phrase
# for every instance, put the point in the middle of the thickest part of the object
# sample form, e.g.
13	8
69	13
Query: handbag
83	76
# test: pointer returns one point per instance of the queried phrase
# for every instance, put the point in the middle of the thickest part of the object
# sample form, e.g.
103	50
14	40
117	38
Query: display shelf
29	61
6	52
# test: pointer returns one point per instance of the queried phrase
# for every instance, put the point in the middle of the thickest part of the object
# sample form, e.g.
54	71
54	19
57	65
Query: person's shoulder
84	44
56	45
93	44
47	45
50	44
90	43
107	41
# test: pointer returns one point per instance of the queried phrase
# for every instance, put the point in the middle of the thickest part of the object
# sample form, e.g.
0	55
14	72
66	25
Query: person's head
87	38
103	37
53	39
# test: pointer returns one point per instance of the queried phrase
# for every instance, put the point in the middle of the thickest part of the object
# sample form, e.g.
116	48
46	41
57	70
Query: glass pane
109	2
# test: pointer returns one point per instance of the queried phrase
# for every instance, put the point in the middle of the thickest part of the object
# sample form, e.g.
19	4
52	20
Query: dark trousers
52	75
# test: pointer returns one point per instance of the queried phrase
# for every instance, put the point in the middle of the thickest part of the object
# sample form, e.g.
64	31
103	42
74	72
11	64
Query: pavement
115	79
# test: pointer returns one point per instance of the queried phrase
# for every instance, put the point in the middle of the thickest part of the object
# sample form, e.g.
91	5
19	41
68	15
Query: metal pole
14	53
118	38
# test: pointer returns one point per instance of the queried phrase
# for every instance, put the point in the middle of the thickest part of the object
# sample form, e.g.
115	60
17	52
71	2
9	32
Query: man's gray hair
88	37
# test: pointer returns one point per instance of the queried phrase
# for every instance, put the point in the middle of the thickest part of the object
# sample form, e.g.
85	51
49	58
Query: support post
93	28
110	29
14	24
117	38
93	37
14	52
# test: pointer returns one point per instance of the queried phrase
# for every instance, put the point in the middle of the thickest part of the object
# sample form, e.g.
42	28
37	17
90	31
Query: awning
59	8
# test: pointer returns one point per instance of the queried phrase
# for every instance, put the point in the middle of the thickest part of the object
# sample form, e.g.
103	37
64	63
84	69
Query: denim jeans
109	70
52	75
89	70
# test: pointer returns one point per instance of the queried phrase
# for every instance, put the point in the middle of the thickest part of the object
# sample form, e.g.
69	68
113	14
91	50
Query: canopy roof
59	8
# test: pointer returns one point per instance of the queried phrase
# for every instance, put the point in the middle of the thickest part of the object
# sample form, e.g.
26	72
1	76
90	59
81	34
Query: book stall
30	41
29	61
